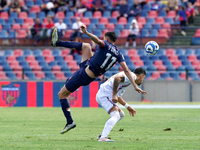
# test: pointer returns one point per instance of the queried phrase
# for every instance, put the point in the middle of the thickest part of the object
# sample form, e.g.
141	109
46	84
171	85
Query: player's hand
83	28
132	111
140	90
114	99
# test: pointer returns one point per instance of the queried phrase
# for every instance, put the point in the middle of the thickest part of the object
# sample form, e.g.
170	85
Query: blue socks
65	104
70	44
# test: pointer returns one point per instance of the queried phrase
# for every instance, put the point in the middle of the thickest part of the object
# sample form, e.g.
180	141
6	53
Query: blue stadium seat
147	62
186	63
91	26
161	52
189	52
56	52
170	67
183	58
118	32
106	14
144	58
26	68
150	20
197	51
37	52
21	58
65	68
124	52
154	57
169	20
144	14
148	74
49	75
10	21
4	63
156	26
189	67
163	58
29	3
39	58
11	75
7	68
53	63
151	68
98	33
127	26
142	52
88	14
113	20
146	7
179	52
130	19
19	21
27	52
31	76
67	74
153	33
119	27
175	75
23	63
181	69
144	32
3	34
46	68
2	58
67	21
38	2
165	75
42	63
11	34
8	52
94	21
162	13
193	75
58	58
13	15
32	15
7	27
62	63
51	13
41	15
2	21
69	14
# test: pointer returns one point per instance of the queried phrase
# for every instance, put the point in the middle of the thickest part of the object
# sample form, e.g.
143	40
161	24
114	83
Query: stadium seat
98	33
189	52
147	26
177	63
101	27
19	21
88	14
65	52
170	52
49	75
156	26
132	52
162	33
175	75
180	52
171	13
60	14
39	74
3	34
10	21
160	20
153	14
144	14
23	15
95	21
30	58
192	57
69	14
97	14
122	20
141	20
169	20
144	32
115	14
165	75
155	74
86	21
4	15
106	14
173	57
49	58
16	26
110	26
113	20
91	27
150	21
162	13
3	76
18	52
103	20
68	33
13	15
2	21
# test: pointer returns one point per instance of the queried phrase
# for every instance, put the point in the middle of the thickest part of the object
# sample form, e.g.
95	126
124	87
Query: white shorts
105	100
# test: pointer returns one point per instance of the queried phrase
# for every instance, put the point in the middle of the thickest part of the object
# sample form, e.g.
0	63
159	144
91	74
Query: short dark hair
111	35
140	71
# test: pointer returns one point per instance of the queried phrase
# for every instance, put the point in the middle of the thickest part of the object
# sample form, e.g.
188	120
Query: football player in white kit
110	93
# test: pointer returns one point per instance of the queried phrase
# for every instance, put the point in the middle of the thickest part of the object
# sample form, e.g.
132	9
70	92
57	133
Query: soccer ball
152	48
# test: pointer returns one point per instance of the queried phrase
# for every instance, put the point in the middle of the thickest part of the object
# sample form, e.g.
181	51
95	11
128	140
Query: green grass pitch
39	129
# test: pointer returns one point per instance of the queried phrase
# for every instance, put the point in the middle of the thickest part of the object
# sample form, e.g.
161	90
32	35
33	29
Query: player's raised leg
63	94
85	48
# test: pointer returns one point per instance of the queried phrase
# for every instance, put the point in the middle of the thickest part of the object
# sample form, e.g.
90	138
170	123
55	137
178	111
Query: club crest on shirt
10	93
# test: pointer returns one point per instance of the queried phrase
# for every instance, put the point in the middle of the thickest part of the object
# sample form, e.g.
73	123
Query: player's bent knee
122	114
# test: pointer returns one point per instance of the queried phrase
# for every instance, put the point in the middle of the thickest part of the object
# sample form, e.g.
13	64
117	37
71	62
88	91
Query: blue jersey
104	58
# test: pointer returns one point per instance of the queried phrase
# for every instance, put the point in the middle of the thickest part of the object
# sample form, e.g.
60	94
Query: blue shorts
79	78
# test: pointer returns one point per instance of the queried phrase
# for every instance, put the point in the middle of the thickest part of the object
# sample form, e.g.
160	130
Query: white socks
114	118
121	113
127	44
134	43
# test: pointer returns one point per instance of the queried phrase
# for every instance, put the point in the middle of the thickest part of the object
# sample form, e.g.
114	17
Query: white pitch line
150	106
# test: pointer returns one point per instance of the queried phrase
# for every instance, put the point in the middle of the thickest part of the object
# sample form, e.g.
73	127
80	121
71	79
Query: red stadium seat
192	57
85	21
97	14
153	14
29	21
160	20
170	52
35	9
45	21
195	63
3	76
33	63
104	21
0	26
11	58
72	63
166	25
173	57
16	67
135	58
158	63
1	68
39	74
25	26
23	15
161	68
155	75
197	35
13	64
68	33
65	52
141	20
22	2
140	25
124	33
4	15
46	52
16	26
78	14
132	52
115	14
60	75
68	58
56	68
18	52
21	34
139	63
163	33
110	26
60	14
36	68
171	13
177	63
122	20
49	58
30	58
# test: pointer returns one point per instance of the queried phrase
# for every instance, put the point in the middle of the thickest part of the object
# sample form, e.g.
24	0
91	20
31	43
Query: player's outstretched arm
92	36
132	111
128	74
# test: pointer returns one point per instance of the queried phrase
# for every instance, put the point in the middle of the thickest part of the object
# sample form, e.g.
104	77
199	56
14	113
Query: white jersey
107	86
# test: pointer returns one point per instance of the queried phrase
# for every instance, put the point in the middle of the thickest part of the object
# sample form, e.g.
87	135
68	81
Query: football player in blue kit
91	67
